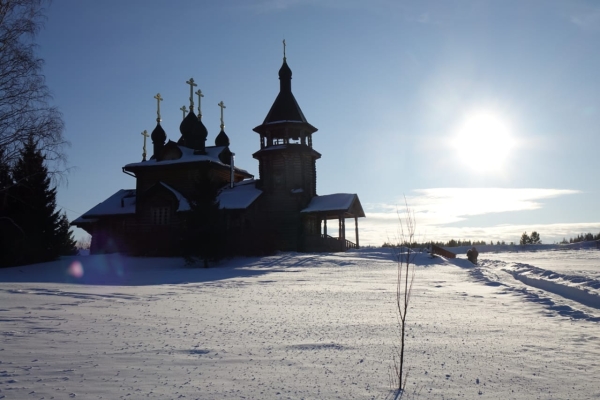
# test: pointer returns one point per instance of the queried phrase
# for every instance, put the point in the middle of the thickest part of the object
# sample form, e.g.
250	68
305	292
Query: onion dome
285	77
222	139
193	132
158	134
285	72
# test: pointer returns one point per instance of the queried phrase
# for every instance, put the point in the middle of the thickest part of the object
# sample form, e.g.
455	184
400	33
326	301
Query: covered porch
340	207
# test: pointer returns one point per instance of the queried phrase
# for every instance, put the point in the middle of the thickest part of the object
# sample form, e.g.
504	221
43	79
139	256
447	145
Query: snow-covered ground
314	326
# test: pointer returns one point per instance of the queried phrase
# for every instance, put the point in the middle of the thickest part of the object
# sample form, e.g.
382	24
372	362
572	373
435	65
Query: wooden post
325	227
356	230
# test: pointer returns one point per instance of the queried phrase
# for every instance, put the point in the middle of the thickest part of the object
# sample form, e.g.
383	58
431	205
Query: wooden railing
351	245
327	243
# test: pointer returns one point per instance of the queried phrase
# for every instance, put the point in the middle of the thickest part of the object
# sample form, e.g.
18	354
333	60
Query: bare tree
405	256
25	111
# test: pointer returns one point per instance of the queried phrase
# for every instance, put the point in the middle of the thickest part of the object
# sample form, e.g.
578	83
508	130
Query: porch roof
331	206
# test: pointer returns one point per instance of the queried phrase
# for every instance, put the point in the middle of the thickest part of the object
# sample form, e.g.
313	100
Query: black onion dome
158	134
202	131
222	139
285	72
188	125
193	132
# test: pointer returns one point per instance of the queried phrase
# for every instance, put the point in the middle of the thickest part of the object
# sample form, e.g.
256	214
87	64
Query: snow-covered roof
82	220
338	202
184	205
123	203
241	196
120	203
283	121
188	156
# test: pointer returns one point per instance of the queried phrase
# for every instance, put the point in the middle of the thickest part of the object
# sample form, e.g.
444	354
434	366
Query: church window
160	215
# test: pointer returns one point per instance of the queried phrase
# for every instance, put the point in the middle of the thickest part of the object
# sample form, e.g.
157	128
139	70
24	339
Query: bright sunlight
484	142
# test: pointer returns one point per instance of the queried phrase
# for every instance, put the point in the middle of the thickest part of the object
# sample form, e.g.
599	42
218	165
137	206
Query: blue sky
485	115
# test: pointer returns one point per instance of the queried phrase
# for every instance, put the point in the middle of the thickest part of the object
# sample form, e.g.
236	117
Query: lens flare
75	270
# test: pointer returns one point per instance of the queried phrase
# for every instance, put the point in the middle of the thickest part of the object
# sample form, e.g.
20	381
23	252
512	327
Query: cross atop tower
200	96
184	110
192	84
158	100
145	135
283	49
222	105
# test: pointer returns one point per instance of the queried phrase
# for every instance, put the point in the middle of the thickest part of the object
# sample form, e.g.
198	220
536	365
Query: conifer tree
9	230
67	246
535	238
32	206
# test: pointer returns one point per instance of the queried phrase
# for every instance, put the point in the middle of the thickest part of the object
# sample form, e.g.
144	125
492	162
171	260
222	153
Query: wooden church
281	207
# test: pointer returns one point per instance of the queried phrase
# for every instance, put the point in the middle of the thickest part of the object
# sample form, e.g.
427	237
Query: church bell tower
287	160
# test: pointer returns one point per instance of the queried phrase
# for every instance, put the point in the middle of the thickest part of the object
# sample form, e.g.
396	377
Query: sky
482	116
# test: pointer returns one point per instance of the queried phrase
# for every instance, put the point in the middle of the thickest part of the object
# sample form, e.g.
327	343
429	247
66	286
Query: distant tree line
584	237
526	239
450	243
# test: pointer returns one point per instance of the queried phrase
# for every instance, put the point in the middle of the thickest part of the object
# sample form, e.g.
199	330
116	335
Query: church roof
241	196
123	203
184	205
120	203
285	108
334	204
188	156
293	147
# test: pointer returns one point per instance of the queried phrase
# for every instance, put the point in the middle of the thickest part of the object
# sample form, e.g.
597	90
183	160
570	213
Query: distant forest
584	237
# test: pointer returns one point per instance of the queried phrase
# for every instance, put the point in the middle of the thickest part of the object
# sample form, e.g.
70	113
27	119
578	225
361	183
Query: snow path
288	326
577	287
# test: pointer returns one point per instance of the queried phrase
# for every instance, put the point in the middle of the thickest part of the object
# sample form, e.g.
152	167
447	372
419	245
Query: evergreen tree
67	246
32	205
535	238
9	230
525	239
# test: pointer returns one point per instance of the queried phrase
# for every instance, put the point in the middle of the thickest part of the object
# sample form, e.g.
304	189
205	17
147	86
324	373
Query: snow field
287	326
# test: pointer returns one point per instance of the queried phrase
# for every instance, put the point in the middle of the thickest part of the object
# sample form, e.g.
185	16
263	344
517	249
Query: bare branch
405	275
25	109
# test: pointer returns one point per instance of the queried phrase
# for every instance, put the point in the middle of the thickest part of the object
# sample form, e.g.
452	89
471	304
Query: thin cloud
589	21
266	6
434	209
448	205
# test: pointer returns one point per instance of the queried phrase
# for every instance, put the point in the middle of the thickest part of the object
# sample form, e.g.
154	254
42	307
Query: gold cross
158	100
222	107
192	84
184	111
200	95
284	49
145	135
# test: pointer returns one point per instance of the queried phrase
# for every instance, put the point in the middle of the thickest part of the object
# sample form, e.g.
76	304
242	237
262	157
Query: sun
484	142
